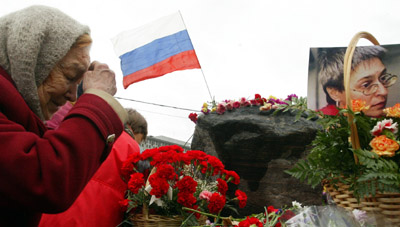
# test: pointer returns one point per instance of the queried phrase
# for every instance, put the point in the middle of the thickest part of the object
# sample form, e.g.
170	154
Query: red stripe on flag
181	61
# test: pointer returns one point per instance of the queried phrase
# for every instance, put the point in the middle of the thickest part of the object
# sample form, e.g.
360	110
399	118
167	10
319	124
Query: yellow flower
205	105
358	105
214	109
383	146
267	106
393	111
272	97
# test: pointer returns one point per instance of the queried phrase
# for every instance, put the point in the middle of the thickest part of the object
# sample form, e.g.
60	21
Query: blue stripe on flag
155	51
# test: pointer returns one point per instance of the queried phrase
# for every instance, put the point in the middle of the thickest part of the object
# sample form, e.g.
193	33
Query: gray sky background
244	46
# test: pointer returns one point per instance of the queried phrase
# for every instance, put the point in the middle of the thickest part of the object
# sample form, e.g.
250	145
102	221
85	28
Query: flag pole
201	68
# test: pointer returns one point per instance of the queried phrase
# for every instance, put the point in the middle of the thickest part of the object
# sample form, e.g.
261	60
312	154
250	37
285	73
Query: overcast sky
244	46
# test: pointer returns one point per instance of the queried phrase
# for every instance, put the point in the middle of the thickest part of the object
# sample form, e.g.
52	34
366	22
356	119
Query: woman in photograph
369	79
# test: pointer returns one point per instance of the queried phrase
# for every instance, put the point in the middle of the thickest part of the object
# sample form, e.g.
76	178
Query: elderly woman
369	80
44	54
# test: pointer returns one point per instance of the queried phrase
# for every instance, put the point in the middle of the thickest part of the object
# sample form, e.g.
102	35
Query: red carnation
196	155
124	204
250	221
217	202
193	117
159	186
182	157
216	164
222	186
148	153
186	184
171	147
163	158
242	197
186	199
126	168
166	171
271	209
136	182
287	215
129	163
232	176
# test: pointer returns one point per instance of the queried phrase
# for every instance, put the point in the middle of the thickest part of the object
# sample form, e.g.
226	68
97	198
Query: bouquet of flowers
373	168
168	181
264	104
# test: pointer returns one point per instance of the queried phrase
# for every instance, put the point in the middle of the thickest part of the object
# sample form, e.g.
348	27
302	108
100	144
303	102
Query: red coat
45	170
98	204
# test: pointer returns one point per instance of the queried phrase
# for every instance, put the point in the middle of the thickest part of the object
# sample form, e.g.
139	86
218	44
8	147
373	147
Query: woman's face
60	86
365	75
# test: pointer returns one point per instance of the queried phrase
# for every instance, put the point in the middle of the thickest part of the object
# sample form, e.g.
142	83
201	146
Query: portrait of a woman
369	78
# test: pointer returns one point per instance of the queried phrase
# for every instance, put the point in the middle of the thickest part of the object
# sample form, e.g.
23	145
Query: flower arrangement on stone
168	181
228	105
372	168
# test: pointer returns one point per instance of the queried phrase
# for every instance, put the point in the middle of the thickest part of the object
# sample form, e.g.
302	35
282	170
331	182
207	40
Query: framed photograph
374	78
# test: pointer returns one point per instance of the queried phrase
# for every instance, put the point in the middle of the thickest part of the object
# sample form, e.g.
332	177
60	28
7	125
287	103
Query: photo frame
317	97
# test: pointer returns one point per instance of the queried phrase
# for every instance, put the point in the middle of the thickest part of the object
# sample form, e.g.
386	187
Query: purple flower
205	110
291	97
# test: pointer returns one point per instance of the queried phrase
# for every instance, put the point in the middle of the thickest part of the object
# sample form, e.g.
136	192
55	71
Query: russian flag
155	49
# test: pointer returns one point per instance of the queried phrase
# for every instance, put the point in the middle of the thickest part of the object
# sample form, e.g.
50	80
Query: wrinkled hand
101	77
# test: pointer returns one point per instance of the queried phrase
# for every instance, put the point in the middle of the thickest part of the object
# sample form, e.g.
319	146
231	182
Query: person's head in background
369	79
136	126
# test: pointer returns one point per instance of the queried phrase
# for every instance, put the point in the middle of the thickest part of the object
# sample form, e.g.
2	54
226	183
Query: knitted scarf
32	41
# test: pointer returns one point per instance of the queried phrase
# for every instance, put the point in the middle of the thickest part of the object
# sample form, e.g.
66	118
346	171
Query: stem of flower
200	212
211	215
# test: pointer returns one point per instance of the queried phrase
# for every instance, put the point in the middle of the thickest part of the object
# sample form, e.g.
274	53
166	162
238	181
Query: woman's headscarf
32	41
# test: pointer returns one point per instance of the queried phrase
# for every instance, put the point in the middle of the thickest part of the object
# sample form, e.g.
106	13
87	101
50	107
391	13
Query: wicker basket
387	204
153	220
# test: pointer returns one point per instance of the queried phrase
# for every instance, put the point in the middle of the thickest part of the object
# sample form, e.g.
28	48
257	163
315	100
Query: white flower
296	204
360	215
384	124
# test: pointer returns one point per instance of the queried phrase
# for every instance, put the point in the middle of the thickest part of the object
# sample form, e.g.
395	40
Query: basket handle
355	142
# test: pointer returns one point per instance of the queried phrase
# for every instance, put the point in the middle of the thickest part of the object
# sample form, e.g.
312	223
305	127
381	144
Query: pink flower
244	102
205	195
384	124
221	108
236	104
229	105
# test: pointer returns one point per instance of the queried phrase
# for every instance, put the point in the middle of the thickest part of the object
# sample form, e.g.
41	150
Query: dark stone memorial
260	146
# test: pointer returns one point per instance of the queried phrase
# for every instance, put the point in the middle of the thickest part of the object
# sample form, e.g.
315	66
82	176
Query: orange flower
358	105
384	146
393	111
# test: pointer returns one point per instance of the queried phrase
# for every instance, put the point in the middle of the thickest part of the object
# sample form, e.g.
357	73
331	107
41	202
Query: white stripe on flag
132	39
